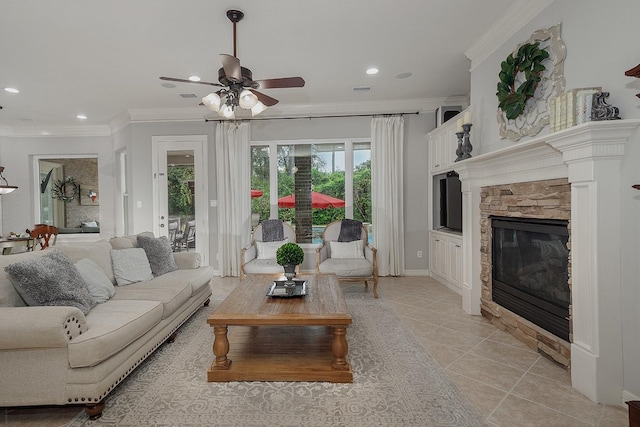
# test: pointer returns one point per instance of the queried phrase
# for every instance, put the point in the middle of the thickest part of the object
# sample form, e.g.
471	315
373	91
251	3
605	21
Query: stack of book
571	108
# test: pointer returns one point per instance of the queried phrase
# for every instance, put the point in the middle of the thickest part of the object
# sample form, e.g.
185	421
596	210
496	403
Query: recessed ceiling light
194	78
81	117
372	70
403	75
11	90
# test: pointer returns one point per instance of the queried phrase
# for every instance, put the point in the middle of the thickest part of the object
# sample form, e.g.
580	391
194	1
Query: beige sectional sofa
55	355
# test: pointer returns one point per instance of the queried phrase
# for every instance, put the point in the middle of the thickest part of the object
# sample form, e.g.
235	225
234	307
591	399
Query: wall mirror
67	193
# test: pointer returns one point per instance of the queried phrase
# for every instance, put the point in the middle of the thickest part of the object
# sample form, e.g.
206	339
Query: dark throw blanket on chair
272	230
350	230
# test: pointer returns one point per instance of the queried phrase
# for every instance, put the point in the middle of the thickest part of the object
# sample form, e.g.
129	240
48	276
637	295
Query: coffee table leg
340	349
220	348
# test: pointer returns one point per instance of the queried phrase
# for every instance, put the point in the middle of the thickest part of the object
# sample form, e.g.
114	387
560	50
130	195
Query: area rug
396	383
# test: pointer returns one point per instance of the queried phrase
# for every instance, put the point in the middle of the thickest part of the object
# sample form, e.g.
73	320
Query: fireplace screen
530	271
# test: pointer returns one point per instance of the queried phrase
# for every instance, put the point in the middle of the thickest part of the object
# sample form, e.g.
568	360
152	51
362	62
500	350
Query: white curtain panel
233	164
387	141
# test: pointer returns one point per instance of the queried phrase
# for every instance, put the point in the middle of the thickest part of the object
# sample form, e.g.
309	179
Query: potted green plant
289	256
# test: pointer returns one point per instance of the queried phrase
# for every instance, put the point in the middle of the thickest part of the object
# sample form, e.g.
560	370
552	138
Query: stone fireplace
582	166
525	263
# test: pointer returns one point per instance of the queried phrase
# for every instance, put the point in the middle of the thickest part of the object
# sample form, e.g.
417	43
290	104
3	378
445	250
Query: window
310	184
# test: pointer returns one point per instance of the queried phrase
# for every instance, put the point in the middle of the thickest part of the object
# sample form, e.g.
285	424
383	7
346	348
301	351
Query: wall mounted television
449	203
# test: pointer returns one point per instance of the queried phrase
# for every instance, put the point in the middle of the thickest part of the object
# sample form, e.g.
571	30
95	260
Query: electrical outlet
419	254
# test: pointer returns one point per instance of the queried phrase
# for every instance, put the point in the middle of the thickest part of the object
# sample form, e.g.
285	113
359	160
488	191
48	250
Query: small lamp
6	188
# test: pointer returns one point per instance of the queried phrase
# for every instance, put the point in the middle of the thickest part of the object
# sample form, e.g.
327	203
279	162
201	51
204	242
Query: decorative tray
277	289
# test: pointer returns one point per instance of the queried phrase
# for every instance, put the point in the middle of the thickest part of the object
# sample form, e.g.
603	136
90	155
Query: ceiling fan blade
231	66
171	79
283	82
265	99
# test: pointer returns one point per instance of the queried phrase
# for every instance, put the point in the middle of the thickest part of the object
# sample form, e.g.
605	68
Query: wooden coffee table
281	339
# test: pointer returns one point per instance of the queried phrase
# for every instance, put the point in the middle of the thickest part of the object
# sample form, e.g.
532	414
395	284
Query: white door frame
159	147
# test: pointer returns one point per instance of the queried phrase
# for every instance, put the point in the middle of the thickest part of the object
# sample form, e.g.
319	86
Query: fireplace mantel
589	155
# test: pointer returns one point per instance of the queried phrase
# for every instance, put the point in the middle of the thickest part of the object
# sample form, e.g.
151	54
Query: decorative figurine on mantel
463	129
600	110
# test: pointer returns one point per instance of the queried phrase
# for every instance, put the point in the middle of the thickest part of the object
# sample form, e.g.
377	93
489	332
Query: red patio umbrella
318	201
256	193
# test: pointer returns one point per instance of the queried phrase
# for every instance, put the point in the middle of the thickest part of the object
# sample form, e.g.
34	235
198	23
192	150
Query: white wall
602	43
16	155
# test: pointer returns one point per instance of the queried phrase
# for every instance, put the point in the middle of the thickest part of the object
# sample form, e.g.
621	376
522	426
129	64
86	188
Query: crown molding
55	131
515	18
141	115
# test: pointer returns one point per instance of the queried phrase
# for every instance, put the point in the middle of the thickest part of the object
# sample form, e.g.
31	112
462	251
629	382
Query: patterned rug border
396	382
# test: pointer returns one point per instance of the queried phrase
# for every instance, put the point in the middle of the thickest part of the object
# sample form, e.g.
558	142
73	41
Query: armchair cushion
51	279
347	267
347	250
262	266
267	250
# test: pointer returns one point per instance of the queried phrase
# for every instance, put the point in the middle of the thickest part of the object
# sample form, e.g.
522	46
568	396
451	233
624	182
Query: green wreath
528	60
59	190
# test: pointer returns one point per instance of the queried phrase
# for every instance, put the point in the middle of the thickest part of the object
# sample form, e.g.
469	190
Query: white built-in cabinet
445	258
442	147
445	247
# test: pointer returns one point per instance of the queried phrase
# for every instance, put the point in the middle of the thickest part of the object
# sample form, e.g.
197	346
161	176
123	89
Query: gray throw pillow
99	285
159	253
51	279
130	266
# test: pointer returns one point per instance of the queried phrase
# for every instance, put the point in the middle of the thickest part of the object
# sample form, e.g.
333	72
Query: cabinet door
450	144
454	273
435	161
437	256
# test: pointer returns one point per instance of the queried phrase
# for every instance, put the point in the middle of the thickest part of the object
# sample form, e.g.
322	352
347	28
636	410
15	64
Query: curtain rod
311	117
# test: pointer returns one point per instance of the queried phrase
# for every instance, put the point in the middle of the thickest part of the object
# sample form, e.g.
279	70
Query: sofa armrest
40	327
187	260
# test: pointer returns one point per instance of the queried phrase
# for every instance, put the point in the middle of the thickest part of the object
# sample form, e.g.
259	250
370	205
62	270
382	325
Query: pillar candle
467	117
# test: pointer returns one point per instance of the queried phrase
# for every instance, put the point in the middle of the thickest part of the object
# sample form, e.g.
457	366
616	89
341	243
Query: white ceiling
103	58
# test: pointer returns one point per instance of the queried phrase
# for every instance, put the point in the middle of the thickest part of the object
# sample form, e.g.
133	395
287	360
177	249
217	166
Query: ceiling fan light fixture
227	111
258	108
247	99
212	101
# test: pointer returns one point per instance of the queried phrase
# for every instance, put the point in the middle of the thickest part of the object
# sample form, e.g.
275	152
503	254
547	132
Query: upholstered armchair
260	256
348	254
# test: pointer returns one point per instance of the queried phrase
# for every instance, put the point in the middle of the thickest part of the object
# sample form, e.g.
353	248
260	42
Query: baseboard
627	396
416	273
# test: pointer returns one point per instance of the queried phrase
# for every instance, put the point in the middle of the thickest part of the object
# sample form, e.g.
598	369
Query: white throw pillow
130	266
267	250
347	250
100	287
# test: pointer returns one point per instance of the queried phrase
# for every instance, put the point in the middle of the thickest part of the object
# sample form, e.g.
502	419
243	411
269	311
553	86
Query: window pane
328	180
259	182
362	184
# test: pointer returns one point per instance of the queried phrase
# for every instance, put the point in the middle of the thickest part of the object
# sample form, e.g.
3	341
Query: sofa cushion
347	250
347	267
159	253
99	285
130	266
51	279
112	326
9	296
172	294
263	266
126	242
197	278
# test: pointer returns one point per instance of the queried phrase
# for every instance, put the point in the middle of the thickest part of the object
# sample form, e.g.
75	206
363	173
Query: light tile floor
510	384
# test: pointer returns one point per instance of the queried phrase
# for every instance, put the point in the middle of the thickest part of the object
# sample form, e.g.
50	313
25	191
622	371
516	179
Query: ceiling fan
238	86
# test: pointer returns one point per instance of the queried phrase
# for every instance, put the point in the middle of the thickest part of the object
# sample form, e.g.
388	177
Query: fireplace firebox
530	269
